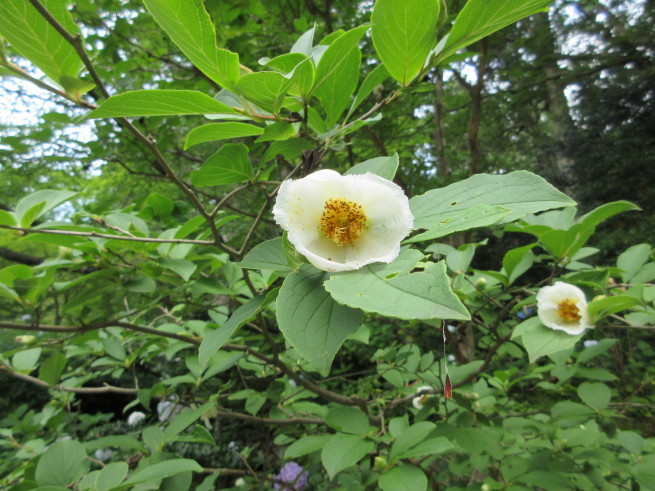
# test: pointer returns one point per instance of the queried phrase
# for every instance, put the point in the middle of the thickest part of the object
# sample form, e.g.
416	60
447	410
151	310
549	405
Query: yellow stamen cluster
568	310
342	221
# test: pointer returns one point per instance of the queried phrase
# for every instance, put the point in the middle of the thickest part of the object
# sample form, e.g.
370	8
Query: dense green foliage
158	329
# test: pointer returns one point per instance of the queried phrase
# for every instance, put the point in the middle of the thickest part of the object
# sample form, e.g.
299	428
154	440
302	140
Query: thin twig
107	236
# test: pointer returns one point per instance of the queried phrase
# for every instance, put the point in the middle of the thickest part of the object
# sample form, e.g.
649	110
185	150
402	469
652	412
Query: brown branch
19	257
78	390
101	325
280	422
107	236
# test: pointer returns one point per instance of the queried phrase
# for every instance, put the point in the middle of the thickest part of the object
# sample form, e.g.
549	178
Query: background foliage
168	289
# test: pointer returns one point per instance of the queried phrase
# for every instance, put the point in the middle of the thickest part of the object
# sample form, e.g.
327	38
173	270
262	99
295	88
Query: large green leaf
343	451
473	217
540	340
521	192
189	26
159	103
479	18
404	32
216	339
32	36
337	74
220	131
391	290
229	165
404	477
311	321
62	464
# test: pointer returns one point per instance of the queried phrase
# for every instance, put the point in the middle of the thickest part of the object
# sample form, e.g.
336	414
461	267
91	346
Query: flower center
342	221
568	310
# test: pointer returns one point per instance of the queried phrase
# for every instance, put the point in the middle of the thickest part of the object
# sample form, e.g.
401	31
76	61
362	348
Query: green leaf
479	18
517	261
111	476
300	81
289	149
595	395
410	437
304	43
217	338
189	26
220	131
229	165
153	438
521	192
199	434
314	324
32	36
267	255
382	166
182	267
404	32
25	360
337	74
62	464
161	470
343	451
404	477
306	445
474	217
51	369
377	76
185	419
606	211
540	340
277	131
143	284
632	260
262	88
602	307
35	205
391	290
159	103
431	446
347	419
565	243
7	218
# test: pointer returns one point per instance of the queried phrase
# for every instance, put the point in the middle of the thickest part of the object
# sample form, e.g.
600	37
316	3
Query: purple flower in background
292	474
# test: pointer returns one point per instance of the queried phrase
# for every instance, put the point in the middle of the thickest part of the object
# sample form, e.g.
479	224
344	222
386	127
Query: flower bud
26	339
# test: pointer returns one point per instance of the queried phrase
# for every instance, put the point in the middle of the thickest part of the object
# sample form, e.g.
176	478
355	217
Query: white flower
135	418
341	223
589	343
419	401
563	307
